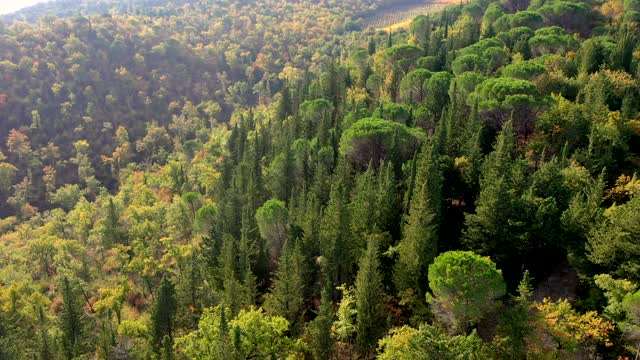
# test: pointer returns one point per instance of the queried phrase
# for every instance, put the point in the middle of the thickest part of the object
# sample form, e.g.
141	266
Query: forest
277	179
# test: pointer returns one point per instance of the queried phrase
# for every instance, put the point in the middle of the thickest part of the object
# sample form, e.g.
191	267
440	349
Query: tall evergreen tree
310	239
362	202
488	230
335	235
371	46
286	296
166	353
6	346
163	315
231	286
188	296
369	304
470	162
111	230
46	352
284	104
516	324
247	261
626	41
418	246
322	346
72	320
386	204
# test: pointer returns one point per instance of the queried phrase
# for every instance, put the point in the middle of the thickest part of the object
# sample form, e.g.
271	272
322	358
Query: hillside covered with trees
275	180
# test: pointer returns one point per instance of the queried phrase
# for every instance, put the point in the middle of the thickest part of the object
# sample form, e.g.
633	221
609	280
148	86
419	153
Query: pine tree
286	296
418	246
163	315
321	342
72	320
369	305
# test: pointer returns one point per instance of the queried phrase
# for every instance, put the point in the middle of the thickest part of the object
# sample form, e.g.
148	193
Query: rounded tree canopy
525	70
528	19
467	82
402	56
480	47
498	91
393	112
510	37
469	282
465	63
377	139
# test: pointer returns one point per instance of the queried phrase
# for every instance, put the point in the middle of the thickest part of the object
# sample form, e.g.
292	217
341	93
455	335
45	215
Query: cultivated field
398	16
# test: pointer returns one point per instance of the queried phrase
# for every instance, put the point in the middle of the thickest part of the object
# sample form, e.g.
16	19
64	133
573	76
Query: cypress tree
516	322
45	342
626	41
445	20
321	342
321	184
7	338
371	46
455	114
373	208
111	230
286	297
488	230
231	287
386	202
411	185
187	294
284	105
72	320
471	151
310	227
247	257
166	353
362	203
370	309
223	337
335	235
163	315
418	246
211	250
237	343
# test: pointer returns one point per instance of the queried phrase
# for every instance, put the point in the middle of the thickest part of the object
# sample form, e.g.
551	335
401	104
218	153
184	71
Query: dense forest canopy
273	179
